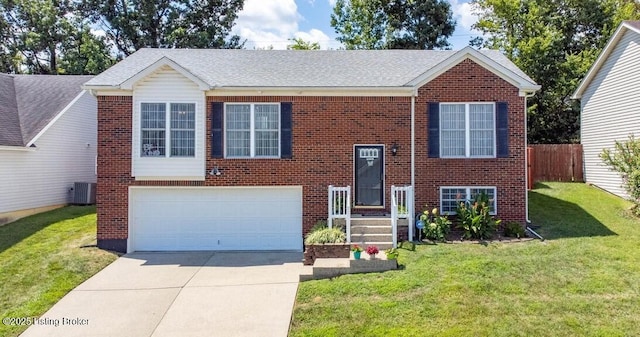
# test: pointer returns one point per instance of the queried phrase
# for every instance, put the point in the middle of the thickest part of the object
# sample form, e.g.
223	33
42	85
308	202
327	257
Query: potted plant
392	253
325	243
357	250
372	251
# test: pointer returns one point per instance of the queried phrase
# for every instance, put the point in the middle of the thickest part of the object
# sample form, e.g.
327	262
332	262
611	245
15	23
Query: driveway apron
180	294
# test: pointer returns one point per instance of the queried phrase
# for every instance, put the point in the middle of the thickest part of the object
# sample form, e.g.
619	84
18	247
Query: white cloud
332	3
315	35
463	14
265	23
279	16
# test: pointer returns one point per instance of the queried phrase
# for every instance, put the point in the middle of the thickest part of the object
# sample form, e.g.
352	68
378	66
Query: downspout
526	156
413	159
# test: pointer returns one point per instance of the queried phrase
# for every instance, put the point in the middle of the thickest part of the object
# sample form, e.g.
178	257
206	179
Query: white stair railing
394	217
402	200
339	206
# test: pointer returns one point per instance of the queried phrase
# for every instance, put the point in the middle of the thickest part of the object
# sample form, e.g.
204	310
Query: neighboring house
47	141
235	149
610	103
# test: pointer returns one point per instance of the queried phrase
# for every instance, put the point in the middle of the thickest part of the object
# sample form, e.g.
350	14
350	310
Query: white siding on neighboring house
168	86
611	110
44	177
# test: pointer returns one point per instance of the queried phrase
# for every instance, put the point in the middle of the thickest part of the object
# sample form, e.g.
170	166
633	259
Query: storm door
369	175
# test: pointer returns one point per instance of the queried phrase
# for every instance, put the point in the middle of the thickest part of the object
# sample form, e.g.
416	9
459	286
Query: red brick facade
468	82
325	130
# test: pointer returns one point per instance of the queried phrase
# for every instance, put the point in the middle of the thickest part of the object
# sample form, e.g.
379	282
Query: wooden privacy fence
554	162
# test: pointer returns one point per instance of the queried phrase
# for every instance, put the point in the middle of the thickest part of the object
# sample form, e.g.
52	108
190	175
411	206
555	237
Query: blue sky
266	23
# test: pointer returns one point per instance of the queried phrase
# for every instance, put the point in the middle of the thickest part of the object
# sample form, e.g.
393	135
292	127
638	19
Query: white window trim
467	130
468	194
252	131
167	129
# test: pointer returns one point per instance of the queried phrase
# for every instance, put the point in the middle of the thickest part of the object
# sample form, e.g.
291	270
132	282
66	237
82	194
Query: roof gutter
403	91
101	87
18	148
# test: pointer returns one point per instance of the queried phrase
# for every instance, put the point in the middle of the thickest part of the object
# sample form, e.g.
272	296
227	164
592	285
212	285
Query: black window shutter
286	135
433	135
502	129
217	111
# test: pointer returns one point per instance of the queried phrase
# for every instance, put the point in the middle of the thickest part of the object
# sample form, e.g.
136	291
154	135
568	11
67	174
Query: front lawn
584	280
43	257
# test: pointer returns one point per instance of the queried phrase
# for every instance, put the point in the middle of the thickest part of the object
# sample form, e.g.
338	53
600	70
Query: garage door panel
216	218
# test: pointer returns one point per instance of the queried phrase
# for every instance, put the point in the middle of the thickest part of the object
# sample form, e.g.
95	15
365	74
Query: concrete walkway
181	294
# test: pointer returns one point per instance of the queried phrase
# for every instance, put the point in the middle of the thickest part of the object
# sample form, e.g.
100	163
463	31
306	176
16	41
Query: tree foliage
57	36
393	24
300	44
135	24
555	42
46	37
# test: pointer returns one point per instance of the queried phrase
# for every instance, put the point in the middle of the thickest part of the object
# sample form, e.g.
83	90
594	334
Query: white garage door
203	218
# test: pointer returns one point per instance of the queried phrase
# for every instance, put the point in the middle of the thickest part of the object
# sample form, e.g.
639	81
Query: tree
7	59
417	24
38	35
360	24
300	44
132	25
393	24
555	42
85	53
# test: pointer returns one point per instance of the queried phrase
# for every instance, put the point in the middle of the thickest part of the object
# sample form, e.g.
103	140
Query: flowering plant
436	226
372	250
356	248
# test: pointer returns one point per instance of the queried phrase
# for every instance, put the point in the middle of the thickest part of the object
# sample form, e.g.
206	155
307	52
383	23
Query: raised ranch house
610	104
48	133
244	150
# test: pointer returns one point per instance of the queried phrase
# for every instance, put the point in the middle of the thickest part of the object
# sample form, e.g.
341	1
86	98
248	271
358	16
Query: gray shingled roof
291	68
29	102
10	133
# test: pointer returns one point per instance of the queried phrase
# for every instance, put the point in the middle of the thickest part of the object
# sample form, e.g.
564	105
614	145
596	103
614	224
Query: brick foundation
313	252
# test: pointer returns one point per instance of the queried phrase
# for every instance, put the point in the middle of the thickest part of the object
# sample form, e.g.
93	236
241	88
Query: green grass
43	257
584	280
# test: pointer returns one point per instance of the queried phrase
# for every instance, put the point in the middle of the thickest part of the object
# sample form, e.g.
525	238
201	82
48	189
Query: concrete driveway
181	294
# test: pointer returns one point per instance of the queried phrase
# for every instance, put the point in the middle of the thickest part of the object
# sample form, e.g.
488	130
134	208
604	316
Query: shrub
625	159
436	226
320	224
475	219
392	253
513	229
326	235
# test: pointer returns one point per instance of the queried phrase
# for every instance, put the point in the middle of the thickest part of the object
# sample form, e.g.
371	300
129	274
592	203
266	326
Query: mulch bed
456	237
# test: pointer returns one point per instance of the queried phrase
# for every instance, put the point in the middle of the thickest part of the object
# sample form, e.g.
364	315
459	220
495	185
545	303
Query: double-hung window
450	197
467	130
168	129
252	130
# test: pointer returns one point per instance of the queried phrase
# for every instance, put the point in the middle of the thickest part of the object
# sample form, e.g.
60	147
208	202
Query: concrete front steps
328	268
369	231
